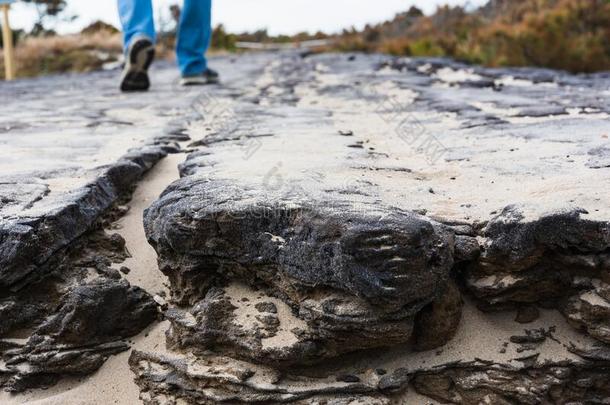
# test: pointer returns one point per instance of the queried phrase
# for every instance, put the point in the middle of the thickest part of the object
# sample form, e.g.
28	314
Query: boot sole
135	74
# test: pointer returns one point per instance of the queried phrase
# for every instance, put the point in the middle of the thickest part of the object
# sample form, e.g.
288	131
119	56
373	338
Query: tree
414	12
46	9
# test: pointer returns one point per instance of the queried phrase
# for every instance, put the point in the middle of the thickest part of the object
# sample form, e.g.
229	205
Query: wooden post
7	38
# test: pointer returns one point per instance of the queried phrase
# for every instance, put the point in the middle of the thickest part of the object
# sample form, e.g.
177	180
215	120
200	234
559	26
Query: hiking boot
140	55
209	76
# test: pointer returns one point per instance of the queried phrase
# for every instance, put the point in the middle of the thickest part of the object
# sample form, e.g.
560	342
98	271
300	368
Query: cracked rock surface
361	227
71	151
347	229
70	321
66	158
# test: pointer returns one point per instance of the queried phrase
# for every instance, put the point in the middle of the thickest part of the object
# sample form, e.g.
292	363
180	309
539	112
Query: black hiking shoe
140	55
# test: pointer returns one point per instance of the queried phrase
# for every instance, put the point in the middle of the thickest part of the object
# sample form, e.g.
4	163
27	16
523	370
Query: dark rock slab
559	260
393	258
71	148
558	365
225	380
353	193
51	198
321	329
551	384
437	323
590	311
70	321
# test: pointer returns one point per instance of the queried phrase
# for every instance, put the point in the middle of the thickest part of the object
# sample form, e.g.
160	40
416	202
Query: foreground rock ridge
362	229
70	160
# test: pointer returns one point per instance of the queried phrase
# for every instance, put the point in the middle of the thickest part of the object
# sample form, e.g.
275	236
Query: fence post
7	38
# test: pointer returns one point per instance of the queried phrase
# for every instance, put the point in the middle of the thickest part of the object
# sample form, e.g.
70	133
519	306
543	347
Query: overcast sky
278	16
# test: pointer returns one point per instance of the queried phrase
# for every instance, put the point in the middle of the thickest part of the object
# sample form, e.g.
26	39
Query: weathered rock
268	307
225	380
386	267
527	314
529	261
344	196
99	311
41	364
28	242
395	259
75	319
69	153
556	259
394	382
437	323
532	336
345	192
590	311
72	150
227	323
196	376
551	384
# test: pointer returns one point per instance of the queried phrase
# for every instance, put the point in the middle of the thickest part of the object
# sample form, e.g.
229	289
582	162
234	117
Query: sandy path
143	261
113	382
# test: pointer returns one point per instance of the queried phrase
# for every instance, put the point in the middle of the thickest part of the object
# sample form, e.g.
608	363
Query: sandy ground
113	382
143	261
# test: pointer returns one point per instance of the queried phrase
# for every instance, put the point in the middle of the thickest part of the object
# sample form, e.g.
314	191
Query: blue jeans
194	30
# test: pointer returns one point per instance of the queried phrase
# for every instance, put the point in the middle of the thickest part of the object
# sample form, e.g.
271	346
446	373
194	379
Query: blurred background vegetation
572	35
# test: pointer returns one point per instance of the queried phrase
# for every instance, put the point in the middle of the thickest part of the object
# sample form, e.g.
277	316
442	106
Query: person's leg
194	33
138	41
137	20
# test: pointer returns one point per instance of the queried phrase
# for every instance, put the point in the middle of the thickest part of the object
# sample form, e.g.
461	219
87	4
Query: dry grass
70	53
562	34
37	56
